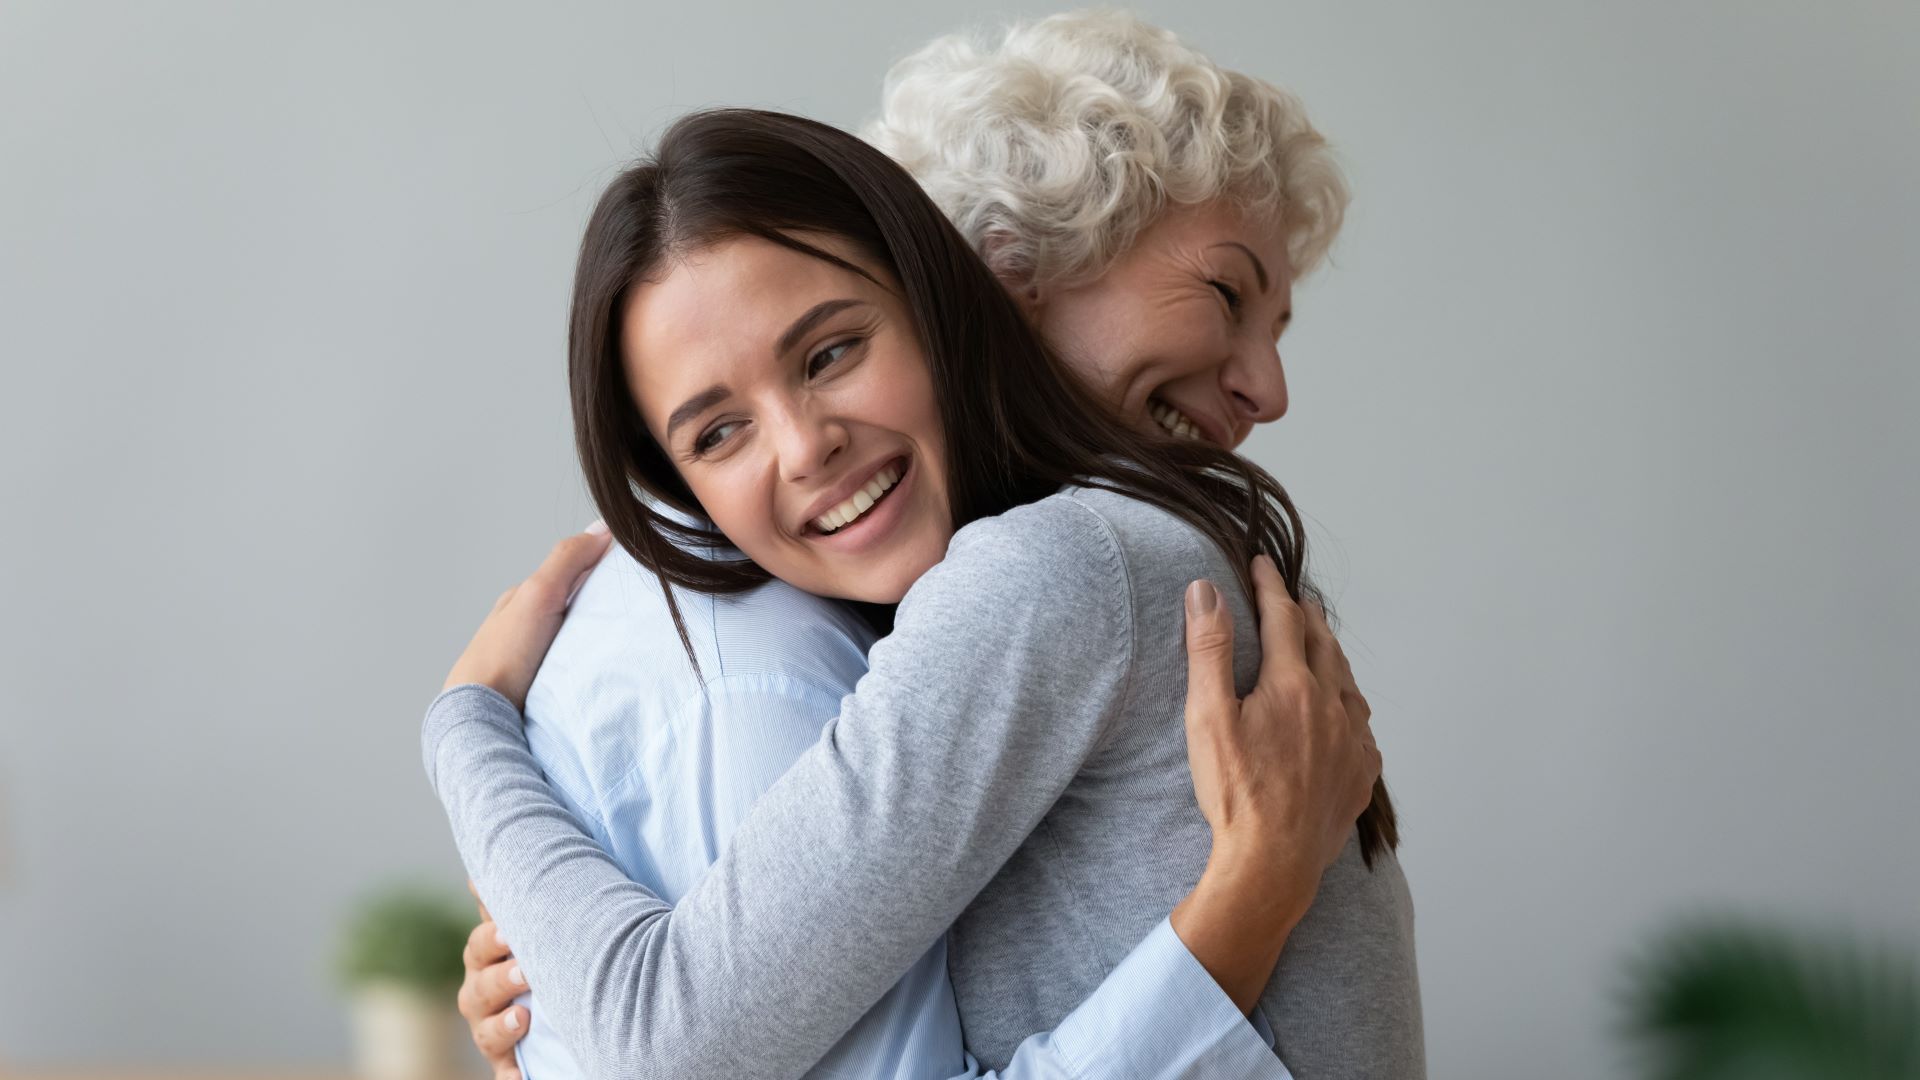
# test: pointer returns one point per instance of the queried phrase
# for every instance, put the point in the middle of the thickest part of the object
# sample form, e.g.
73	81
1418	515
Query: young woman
976	752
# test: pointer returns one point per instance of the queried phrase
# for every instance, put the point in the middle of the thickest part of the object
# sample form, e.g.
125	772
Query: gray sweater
1013	765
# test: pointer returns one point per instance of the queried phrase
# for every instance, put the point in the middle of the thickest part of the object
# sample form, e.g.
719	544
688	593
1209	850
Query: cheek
1108	368
916	416
929	433
929	430
1100	343
1190	342
898	396
739	507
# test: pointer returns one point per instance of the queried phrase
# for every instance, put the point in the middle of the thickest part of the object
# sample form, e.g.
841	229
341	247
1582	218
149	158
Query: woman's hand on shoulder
507	649
1281	776
1285	772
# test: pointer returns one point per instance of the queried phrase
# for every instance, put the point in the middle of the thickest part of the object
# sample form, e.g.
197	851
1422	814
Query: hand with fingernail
504	654
492	981
507	649
1281	775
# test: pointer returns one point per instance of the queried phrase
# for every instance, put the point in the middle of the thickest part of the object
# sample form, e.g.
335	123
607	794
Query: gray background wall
1603	418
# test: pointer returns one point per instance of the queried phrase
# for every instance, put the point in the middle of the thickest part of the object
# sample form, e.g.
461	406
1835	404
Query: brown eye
829	356
713	436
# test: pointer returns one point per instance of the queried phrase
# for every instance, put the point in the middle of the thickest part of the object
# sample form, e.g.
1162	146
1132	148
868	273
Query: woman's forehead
718	314
1218	221
739	287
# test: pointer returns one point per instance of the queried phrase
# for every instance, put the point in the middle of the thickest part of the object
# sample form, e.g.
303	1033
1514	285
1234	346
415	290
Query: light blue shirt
659	764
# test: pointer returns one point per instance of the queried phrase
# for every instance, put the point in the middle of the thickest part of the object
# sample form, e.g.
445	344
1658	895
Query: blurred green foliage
1719	999
409	936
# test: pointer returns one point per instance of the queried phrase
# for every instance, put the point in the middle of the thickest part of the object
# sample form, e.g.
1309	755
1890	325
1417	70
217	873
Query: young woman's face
1182	331
794	398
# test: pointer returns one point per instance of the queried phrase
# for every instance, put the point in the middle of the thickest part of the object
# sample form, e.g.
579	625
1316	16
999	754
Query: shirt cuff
1159	1014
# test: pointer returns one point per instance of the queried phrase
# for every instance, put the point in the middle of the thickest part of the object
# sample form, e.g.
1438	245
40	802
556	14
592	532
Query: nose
806	443
1256	383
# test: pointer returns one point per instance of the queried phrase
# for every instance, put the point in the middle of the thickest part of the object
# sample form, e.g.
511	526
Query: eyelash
1232	297
847	344
710	438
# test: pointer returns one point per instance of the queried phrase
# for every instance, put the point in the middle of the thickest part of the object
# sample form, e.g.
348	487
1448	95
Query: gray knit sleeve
1005	665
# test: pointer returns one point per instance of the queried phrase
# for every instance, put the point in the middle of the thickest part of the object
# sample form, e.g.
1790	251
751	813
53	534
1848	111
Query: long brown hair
1027	426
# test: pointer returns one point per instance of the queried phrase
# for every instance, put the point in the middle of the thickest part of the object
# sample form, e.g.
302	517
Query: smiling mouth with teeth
862	501
1172	420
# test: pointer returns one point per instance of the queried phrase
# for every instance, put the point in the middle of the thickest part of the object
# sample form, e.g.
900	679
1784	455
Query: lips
852	498
1172	420
1184	425
863	500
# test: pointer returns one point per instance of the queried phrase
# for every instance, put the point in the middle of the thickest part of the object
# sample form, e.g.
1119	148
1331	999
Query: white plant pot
400	1033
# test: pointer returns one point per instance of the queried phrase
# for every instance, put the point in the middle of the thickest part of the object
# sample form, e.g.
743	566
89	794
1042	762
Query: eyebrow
718	392
822	310
1259	268
697	404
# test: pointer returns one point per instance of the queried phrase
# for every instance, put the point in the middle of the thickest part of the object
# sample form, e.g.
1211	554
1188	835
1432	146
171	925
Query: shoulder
1030	614
1081	562
617	700
1055	562
1161	550
1141	530
618	653
1058	533
1093	536
775	629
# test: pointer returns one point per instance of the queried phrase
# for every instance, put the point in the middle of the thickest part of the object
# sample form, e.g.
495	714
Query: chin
886	584
885	591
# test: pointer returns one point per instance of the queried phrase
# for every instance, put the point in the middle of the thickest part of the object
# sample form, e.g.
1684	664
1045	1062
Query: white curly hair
1053	148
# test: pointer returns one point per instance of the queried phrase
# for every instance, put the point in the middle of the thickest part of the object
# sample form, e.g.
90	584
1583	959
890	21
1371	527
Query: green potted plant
400	962
1731	999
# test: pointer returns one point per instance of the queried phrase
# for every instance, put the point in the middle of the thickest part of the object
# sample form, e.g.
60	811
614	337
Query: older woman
1150	213
1149	209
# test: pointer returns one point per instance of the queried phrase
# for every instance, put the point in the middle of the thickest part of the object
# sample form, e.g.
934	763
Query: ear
1025	294
1015	278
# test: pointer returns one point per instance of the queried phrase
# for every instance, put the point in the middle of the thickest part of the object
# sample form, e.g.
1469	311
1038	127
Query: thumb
1209	647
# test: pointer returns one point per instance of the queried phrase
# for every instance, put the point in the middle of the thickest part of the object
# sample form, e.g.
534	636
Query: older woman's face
1182	332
